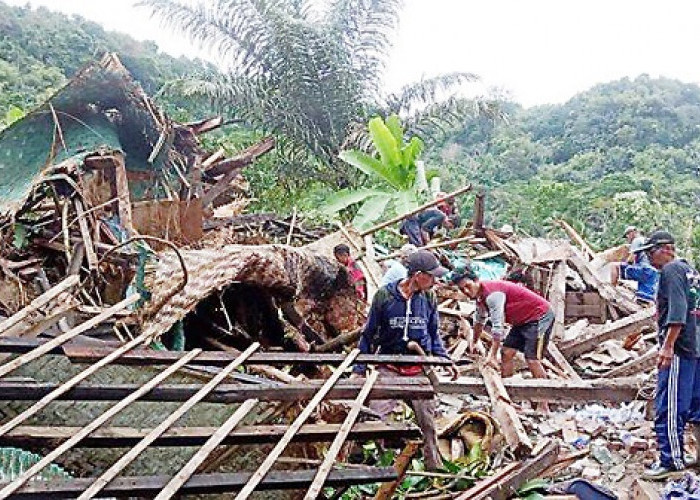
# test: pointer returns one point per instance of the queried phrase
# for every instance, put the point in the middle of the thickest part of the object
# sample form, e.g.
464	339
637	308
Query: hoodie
393	321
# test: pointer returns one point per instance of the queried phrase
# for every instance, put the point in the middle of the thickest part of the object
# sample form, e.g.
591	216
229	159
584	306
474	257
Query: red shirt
357	278
522	305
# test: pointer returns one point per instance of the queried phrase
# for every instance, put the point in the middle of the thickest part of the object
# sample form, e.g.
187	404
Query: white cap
507	228
629	229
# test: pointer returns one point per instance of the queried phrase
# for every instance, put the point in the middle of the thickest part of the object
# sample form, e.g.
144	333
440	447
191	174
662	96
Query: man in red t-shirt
530	316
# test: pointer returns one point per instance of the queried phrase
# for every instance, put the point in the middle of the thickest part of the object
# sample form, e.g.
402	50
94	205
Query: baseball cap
424	261
461	271
407	250
628	229
656	239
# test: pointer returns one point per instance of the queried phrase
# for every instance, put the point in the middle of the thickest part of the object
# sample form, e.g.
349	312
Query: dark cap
424	261
462	270
656	239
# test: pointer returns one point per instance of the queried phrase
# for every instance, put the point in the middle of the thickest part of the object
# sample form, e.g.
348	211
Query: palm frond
415	96
437	117
238	30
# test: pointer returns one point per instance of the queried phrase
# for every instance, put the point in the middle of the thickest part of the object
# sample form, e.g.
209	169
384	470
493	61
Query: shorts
531	338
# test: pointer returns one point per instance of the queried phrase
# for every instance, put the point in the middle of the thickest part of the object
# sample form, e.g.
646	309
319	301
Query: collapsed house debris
185	347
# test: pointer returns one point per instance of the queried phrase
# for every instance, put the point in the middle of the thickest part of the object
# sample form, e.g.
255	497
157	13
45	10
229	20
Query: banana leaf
345	198
371	210
394	125
371	166
385	142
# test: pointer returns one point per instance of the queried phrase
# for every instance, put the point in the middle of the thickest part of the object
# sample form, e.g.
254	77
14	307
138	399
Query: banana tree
398	180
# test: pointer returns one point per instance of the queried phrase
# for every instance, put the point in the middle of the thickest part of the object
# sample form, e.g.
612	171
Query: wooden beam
168	422
13	486
125	437
85	235
502	485
123	194
242	159
614	390
401	464
557	356
223	394
315	489
38	303
504	413
198	459
62	339
557	297
429	204
479	210
143	357
577	239
149	486
269	461
615	330
66	386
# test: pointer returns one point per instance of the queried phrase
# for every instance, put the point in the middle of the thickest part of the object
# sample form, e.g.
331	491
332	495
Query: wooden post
557	297
399	218
577	239
122	185
386	491
479	209
504	413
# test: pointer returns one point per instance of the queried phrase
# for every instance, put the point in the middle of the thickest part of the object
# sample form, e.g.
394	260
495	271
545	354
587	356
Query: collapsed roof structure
110	248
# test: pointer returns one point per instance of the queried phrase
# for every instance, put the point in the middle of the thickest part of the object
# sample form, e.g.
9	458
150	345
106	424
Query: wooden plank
124	437
224	394
191	466
168	422
504	413
557	297
614	390
38	303
556	355
66	386
62	339
143	357
265	467
123	194
149	486
501	486
401	464
315	489
85	234
429	204
13	486
615	330
577	239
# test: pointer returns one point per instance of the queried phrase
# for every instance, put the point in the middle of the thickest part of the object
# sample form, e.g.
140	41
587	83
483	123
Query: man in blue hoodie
403	317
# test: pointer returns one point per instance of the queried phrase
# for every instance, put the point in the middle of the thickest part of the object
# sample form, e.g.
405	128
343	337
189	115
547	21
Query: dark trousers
676	391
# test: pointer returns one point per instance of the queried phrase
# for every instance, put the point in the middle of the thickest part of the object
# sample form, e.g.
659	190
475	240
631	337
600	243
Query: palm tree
309	75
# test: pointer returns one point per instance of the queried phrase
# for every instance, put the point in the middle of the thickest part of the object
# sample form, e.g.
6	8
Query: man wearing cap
678	383
634	238
404	319
530	316
397	271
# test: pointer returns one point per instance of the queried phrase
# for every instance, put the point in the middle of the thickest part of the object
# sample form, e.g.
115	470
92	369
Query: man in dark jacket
678	383
403	315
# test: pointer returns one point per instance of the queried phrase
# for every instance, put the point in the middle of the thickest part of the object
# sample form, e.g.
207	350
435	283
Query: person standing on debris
404	319
531	318
634	239
677	399
641	271
357	277
398	270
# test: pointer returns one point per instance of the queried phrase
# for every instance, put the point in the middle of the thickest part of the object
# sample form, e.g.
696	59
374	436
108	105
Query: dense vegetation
625	152
40	49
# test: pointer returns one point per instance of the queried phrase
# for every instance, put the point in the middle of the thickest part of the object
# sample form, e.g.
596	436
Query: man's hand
664	358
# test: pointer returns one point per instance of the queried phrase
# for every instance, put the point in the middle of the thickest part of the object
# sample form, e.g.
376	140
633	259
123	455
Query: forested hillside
39	49
623	152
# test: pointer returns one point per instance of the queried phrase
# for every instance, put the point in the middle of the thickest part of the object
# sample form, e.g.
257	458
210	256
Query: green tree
308	74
